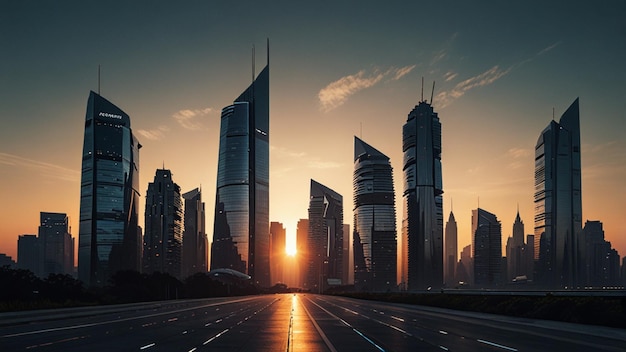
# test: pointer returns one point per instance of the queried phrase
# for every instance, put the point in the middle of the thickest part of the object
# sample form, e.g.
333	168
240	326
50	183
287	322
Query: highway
288	322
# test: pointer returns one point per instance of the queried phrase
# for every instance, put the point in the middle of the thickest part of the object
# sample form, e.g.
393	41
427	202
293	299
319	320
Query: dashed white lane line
496	345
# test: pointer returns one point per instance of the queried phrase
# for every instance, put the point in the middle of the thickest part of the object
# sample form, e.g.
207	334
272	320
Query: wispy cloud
337	92
450	76
486	78
46	169
154	134
189	118
319	164
311	162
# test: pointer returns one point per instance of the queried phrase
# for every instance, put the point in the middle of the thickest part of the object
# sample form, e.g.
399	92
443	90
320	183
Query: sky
339	69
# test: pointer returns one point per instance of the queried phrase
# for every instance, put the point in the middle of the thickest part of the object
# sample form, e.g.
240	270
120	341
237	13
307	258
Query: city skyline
363	80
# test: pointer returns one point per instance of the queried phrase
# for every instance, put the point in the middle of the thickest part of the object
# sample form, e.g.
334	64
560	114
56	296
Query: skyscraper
278	252
558	204
108	239
58	247
325	238
241	238
422	221
302	252
515	251
375	245
30	254
195	246
487	248
451	251
163	234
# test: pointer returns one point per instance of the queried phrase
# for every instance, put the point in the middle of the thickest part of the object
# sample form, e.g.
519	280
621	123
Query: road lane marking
319	330
147	346
496	345
122	319
216	336
396	318
443	332
443	348
350	326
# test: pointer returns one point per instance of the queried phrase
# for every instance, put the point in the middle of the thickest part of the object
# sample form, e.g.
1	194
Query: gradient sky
338	69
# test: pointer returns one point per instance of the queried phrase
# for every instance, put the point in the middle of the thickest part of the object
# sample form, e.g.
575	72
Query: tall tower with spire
451	251
241	231
422	220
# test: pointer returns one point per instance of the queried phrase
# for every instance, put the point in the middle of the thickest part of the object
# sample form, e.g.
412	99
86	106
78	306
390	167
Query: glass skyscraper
325	238
558	203
109	236
57	242
486	248
375	245
422	221
163	232
241	238
194	236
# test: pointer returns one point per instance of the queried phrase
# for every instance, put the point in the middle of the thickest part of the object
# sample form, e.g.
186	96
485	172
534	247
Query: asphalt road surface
300	322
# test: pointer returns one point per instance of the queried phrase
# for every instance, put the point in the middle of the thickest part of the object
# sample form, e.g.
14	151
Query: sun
291	252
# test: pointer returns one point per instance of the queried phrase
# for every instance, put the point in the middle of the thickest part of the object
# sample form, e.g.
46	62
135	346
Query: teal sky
338	69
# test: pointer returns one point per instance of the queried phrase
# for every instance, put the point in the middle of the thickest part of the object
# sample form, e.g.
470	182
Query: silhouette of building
278	252
465	267
163	236
241	238
558	206
325	238
375	246
422	224
487	248
451	251
6	260
528	257
302	252
603	262
30	254
348	260
57	244
515	251
109	236
195	246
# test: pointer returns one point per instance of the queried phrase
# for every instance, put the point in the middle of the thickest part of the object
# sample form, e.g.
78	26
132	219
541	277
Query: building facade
486	248
109	237
515	249
241	238
195	246
302	252
422	221
374	236
325	238
451	252
278	252
558	203
57	244
30	254
163	231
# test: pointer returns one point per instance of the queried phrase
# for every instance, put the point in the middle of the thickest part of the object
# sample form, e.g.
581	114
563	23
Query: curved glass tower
375	246
422	221
109	236
241	239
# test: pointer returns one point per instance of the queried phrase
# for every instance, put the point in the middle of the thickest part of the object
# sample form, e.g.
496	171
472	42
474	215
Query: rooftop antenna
553	113
451	206
98	79
422	90
432	94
